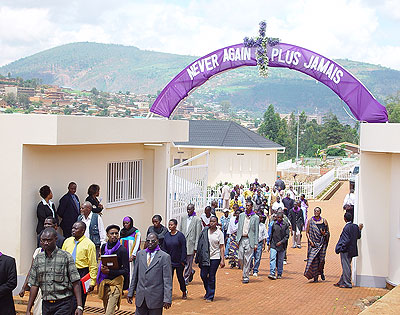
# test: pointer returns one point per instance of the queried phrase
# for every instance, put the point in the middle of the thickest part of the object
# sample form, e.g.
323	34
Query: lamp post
297	142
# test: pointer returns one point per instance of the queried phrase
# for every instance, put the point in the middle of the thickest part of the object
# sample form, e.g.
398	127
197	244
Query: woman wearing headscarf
158	229
130	239
318	237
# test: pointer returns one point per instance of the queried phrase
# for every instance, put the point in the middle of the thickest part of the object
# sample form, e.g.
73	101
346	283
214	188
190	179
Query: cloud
336	29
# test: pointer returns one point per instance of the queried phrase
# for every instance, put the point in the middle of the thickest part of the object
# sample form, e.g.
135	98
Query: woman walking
318	237
130	239
158	229
210	255
304	208
175	246
233	244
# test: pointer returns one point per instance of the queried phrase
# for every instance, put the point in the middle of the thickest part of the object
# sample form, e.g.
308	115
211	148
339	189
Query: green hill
114	68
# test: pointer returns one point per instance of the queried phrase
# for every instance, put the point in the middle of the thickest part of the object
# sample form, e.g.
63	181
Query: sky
361	30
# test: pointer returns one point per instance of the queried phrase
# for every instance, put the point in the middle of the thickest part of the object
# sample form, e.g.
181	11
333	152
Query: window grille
124	181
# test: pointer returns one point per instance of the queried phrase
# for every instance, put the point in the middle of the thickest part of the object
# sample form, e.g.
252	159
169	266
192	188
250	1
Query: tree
225	106
94	91
271	124
10	99
67	111
23	101
393	107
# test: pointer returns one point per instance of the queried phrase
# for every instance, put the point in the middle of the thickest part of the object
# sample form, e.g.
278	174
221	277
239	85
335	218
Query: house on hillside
236	154
349	148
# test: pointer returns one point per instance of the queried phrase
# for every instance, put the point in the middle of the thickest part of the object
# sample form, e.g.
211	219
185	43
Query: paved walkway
293	294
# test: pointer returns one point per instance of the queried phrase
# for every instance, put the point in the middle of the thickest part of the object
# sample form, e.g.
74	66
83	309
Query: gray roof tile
217	133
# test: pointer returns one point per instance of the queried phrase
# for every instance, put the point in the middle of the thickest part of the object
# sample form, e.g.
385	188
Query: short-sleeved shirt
215	239
54	274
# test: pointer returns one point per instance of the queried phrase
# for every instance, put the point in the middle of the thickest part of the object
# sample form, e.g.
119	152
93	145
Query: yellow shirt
248	193
233	201
85	255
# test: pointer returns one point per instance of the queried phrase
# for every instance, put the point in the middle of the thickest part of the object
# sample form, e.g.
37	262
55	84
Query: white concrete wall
56	166
54	150
227	165
379	206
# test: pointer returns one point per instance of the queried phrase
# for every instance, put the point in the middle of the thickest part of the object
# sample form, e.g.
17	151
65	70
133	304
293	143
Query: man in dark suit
8	282
151	280
69	209
347	248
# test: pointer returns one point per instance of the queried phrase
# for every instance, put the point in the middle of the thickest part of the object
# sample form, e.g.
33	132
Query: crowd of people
65	268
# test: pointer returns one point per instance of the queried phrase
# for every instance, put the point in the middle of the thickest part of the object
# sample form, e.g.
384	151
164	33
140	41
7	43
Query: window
177	161
124	181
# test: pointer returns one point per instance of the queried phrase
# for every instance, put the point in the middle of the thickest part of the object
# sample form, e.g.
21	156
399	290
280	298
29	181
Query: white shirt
50	205
349	199
215	239
278	205
232	227
151	255
226	192
205	219
262	232
242	200
100	224
292	193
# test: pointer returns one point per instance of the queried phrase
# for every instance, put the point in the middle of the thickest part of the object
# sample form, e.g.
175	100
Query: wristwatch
80	308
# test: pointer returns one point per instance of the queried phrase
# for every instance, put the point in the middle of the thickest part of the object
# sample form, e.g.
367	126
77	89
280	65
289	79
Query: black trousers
181	279
61	307
82	272
144	310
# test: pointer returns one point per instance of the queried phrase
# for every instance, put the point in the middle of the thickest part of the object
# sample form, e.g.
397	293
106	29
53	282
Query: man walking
94	226
226	195
151	280
111	280
83	252
54	272
347	248
277	243
191	227
69	209
52	222
8	282
247	237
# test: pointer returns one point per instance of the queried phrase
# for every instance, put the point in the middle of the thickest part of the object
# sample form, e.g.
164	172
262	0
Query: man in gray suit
151	280
247	237
191	227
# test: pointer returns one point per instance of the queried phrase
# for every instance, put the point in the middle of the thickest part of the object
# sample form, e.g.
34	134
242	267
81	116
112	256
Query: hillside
113	68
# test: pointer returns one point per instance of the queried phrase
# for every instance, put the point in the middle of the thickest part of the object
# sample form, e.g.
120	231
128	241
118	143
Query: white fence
324	181
187	184
289	167
301	188
308	170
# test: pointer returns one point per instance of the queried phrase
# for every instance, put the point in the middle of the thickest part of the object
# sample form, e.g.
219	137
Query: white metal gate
187	183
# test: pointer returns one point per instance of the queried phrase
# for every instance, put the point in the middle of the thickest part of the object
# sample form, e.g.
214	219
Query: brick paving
293	294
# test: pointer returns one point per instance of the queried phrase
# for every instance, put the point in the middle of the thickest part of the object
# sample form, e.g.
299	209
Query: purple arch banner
360	101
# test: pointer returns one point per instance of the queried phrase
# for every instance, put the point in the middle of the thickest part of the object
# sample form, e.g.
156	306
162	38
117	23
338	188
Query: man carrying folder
83	252
113	268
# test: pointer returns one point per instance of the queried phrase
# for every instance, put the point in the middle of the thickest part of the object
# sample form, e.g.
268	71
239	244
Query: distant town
32	97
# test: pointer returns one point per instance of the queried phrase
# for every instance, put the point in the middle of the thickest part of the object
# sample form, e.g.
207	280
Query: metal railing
187	184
